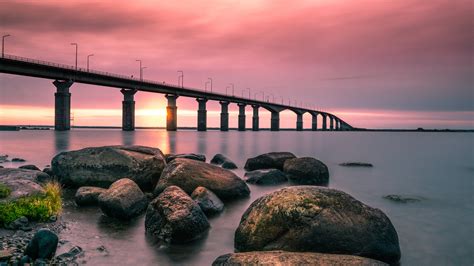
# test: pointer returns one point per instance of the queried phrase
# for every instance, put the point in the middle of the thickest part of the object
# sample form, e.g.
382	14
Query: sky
374	63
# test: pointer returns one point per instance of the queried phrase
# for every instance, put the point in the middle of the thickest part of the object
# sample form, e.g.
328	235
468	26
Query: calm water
436	166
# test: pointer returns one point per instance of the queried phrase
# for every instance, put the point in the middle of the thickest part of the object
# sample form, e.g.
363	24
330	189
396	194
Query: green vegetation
36	208
4	191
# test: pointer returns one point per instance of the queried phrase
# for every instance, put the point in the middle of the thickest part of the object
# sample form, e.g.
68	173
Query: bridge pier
337	125
202	115
314	122
255	126
241	116
299	122
62	105
275	121
331	123
224	116
171	113
325	127
128	109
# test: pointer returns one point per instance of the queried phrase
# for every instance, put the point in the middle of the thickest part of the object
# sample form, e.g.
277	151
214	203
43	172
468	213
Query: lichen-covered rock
317	219
223	161
87	196
307	171
21	182
283	258
268	160
30	167
190	174
173	217
123	200
43	245
191	156
101	166
266	177
208	201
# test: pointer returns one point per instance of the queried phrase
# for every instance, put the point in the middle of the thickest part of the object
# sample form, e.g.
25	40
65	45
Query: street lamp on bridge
181	77
3	43
141	70
138	60
88	61
77	46
210	79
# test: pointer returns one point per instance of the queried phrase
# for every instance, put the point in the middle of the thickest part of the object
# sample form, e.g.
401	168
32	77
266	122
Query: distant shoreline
41	127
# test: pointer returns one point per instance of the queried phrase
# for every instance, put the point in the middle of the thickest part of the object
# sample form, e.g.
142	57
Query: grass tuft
4	191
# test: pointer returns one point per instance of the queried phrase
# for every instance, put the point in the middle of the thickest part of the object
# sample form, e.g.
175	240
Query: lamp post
181	77
138	60
88	61
232	84
3	44
141	70
210	79
77	46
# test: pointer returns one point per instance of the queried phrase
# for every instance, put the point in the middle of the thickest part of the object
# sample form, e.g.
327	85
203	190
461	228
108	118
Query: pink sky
374	63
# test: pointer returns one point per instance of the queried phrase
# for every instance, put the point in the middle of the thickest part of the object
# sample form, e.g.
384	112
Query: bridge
65	76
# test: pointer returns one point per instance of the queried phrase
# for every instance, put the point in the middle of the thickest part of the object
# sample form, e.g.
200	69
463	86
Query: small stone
356	164
402	199
18	160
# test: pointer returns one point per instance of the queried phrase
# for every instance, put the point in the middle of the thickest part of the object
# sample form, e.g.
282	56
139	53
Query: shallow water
438	167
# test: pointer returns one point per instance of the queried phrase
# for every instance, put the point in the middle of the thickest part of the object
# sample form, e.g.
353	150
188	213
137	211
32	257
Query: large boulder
306	171
266	177
191	156
123	200
292	258
223	161
21	183
87	196
173	217
208	201
43	245
101	166
268	160
317	219
190	174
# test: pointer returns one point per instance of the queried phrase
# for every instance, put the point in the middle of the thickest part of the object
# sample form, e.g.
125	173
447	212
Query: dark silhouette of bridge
65	76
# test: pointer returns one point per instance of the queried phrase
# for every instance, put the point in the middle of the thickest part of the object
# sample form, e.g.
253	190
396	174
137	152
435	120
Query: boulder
208	201
190	174
43	245
268	160
173	217
21	182
317	219
356	164
306	171
101	166
191	156
30	167
87	196
48	171
123	200
223	161
292	258
266	177
17	160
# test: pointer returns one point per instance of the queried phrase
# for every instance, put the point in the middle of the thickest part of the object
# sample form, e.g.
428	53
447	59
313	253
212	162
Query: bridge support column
171	113
255	126
325	126
62	105
128	109
224	116
275	121
331	123
314	122
299	122
337	125
202	115
241	116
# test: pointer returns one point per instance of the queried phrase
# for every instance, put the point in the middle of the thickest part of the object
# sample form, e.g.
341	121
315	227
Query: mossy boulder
268	160
306	171
102	166
123	200
190	174
317	219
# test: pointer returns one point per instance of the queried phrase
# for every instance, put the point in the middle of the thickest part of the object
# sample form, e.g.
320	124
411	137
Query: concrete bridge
65	76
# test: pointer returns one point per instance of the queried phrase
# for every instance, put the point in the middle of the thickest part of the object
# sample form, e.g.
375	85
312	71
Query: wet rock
223	161
191	156
43	245
402	199
18	160
356	164
306	171
4	158
101	166
21	182
266	177
87	196
208	201
1	166
292	258
174	217
268	160
48	171
123	200
30	167
317	219
190	174
69	256
21	223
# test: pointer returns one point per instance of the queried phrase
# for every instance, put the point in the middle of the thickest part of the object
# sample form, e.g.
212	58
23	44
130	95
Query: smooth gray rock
268	160
223	161
88	196
123	200
266	177
317	219
43	245
306	171
191	156
22	183
208	201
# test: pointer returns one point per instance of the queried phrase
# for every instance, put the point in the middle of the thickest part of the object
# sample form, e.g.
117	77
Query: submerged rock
306	171
292	258
356	164
21	182
86	196
30	167
18	160
190	174
123	200
266	177
191	156
208	201
223	161
174	217
268	160
101	166
317	219
402	199
43	245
